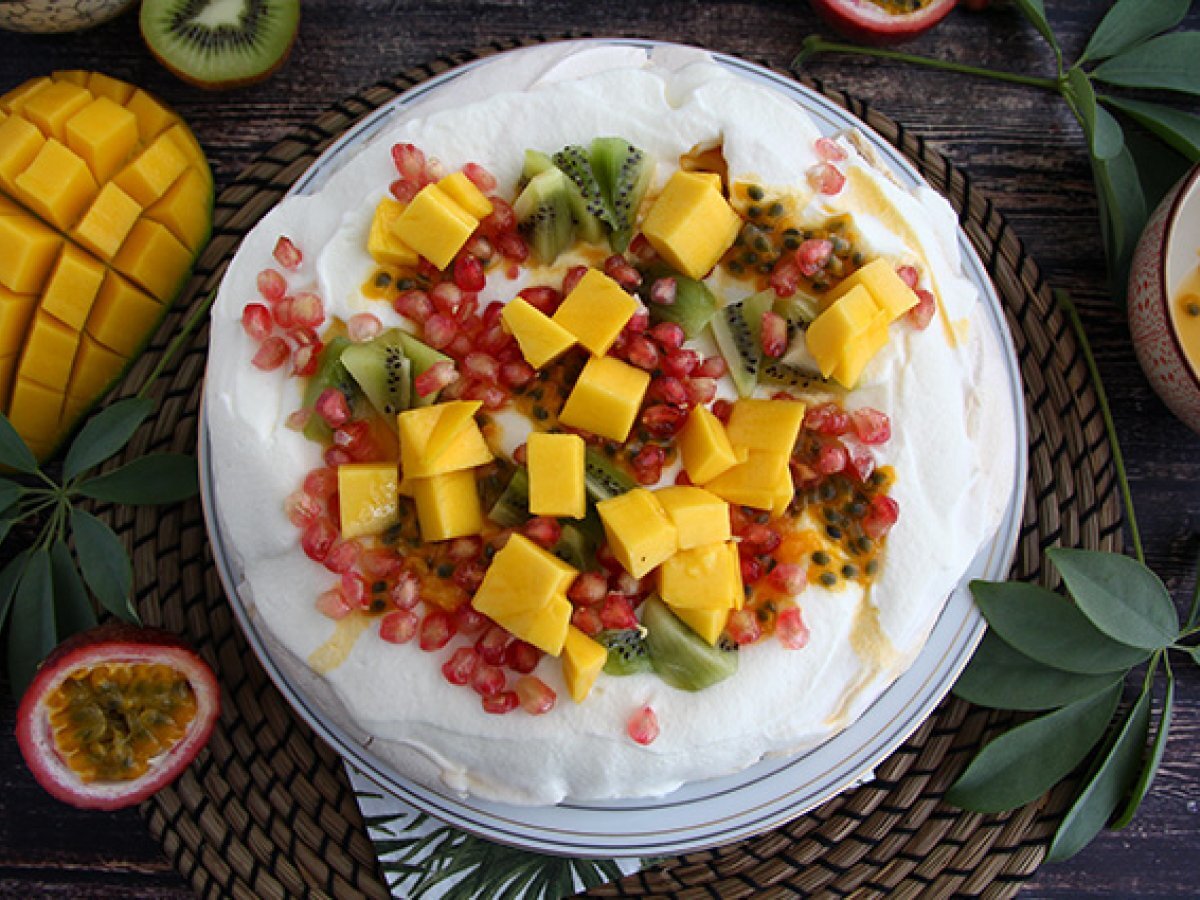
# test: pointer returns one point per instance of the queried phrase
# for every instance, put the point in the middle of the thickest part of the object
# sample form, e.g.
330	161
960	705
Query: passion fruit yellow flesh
882	21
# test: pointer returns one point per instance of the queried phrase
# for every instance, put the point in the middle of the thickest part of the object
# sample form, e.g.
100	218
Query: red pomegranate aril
287	254
459	347
333	604
272	354
362	327
271	285
751	569
500	219
522	657
648	464
682	479
701	390
761	538
409	160
379	562
336	456
828	149
663	291
469	575
642	726
512	246
461	666
354	588
492	645
317	539
308	309
587	620
256	319
573	277
862	464
921	315
491	396
342	556
542	530
668	389
516	374
480	177
398	627
681	363
712	367
882	514
909	275
813	254
302	509
464	548
440	330
669	335
305	361
436	630
488	680
788	578
774	334
469	621
446	296
722	409
321	483
663	421
831	459
588	588
406	591
435	378
619	270
352	435
332	406
743	627
543	298
790	628
501	703
481	366
480	248
281	312
870	425
785	277
536	697
642	353
628	585
826	179
468	273
414	305
617	613
520	454
827	418
404	189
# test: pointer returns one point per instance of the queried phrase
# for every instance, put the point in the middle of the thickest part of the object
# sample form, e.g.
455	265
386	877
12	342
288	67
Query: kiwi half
383	371
681	657
220	43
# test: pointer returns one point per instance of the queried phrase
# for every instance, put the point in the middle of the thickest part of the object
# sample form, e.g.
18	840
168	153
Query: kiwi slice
423	357
787	375
681	657
627	653
536	162
543	209
587	200
576	548
220	43
512	507
798	312
694	304
604	479
330	374
738	330
623	173
383	371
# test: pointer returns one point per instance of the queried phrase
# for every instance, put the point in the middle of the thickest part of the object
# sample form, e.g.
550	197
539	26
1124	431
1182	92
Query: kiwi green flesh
738	331
603	479
423	357
330	374
383	371
623	173
575	547
694	304
593	218
220	43
511	509
627	653
681	657
543	210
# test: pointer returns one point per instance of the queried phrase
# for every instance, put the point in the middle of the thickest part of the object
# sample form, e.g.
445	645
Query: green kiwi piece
576	548
330	374
604	479
681	657
623	173
543	209
694	304
423	357
798	312
592	216
512	508
787	375
536	162
220	44
738	330
627	653
383	371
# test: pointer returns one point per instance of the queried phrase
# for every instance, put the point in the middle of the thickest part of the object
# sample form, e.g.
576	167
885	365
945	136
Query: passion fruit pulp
882	21
115	714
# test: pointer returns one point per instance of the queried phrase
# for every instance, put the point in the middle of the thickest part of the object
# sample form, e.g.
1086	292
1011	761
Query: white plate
766	795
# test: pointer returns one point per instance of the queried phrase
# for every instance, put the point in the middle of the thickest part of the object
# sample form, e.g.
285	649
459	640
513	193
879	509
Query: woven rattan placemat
266	810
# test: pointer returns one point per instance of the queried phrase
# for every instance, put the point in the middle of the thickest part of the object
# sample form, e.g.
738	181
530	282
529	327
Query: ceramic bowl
1168	251
58	16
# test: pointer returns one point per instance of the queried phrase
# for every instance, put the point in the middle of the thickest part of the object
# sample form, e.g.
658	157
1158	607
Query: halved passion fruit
114	714
882	21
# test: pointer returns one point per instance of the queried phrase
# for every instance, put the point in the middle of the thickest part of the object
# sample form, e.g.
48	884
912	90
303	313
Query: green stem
1194	611
1064	301
814	44
177	342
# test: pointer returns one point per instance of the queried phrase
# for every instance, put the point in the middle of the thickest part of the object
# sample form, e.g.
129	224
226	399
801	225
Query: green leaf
1130	22
1024	763
31	634
1194	653
1108	784
1153	759
1035	12
10	493
72	609
104	434
1104	134
1170	62
999	677
104	564
155	479
1179	129
1120	595
13	452
1159	166
9	576
1122	214
1048	628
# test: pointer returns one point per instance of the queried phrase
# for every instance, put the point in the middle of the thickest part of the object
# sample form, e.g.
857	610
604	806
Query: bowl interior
1183	234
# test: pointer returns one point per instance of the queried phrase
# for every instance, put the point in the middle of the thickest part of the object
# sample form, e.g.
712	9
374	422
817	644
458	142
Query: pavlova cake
602	426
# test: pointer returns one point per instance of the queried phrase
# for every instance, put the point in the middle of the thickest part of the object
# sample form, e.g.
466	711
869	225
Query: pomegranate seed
304	364
512	246
542	530
435	378
669	335
464	548
331	603
342	556
921	315
446	296
832	459
573	277
788	578
535	695
469	575
440	330
398	627
336	456
468	273
332	406
353	588
619	270
500	219
774	334
516	374
628	585
722	409
587	620
308	309
701	390
410	161
743	627
414	305
404	189
870	425
638	323
826	179
351	436
663	291
282	313
436	630
469	621
492	644
590	587
406	591
256	319
488	681
504	702
909	275
301	509
668	389
790	628
751	570
272	354
522	657
362	327
648	464
642	353
271	285
461	665
785	277
663	421
287	254
321	483
813	254
643	726
761	538
617	613
827	418
459	347
521	454
881	516
379	562
481	366
828	149
480	177
862	464
682	479
480	248
491	396
318	537
681	363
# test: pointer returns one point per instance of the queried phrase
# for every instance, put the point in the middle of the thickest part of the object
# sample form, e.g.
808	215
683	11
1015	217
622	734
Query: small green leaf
72	609
999	677
105	433
1104	134
1048	628
9	576
1130	22
1035	12
104	564
1170	62
1159	166
10	493
13	452
1122	214
1153	759
1194	653
1107	785
1024	763
154	479
1179	129
1120	595
31	634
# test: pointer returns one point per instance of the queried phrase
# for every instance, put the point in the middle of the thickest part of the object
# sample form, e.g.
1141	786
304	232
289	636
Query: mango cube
700	517
540	338
153	171
102	85
15	100
152	117
708	623
34	411
103	134
448	505
738	589
699	578
122	316
49	351
30	250
556	475
835	332
859	353
50	108
462	190
368	497
16	311
184	208
582	661
771	425
606	398
20	142
154	258
96	367
73	286
434	226
545	628
522	578
430	447
691	224
704	446
57	185
108	221
755	482
383	245
640	534
595	311
886	287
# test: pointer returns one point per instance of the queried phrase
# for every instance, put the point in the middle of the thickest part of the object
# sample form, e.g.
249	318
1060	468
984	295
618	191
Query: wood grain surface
1020	147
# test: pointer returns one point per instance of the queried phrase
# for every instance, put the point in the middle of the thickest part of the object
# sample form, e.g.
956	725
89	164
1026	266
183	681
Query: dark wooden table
1020	147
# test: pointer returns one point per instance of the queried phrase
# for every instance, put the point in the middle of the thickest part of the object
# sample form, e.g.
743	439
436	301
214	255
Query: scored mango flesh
110	721
105	202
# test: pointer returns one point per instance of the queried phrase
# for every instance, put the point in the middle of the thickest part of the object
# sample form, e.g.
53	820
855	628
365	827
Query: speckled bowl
58	16
1165	254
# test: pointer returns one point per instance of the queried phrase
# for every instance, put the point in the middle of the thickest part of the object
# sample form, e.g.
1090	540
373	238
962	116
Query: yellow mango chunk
545	628
102	85
30	251
15	100
540	338
700	517
152	117
49	351
153	258
368	497
606	398
754	482
107	222
183	138
556	475
8	372
58	185
771	425
72	76
385	248
34	411
447	505
50	108
153	171
20	142
460	445
582	661
859	353
122	316
839	326
708	623
522	578
434	226
699	578
738	589
95	368
691	224
785	492
595	311
185	209
455	416
704	446
73	286
886	287
16	311
640	534
462	190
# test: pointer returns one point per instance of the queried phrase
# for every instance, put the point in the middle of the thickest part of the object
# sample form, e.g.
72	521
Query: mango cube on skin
846	322
785	492
49	352
699	578
50	108
153	258
545	628
34	410
448	505
30	251
73	286
540	338
582	661
122	315
462	190
595	311
606	398
383	245
103	134
368	497
155	169
107	222
771	425
152	117
556	475
57	185
522	578
708	623
691	224
640	534
184	209
434	226
14	101
95	368
755	482
20	142
700	516
886	287
704	446
102	85
427	447
16	312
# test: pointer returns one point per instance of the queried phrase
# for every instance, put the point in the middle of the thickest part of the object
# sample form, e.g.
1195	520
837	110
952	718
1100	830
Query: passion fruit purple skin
869	23
113	643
